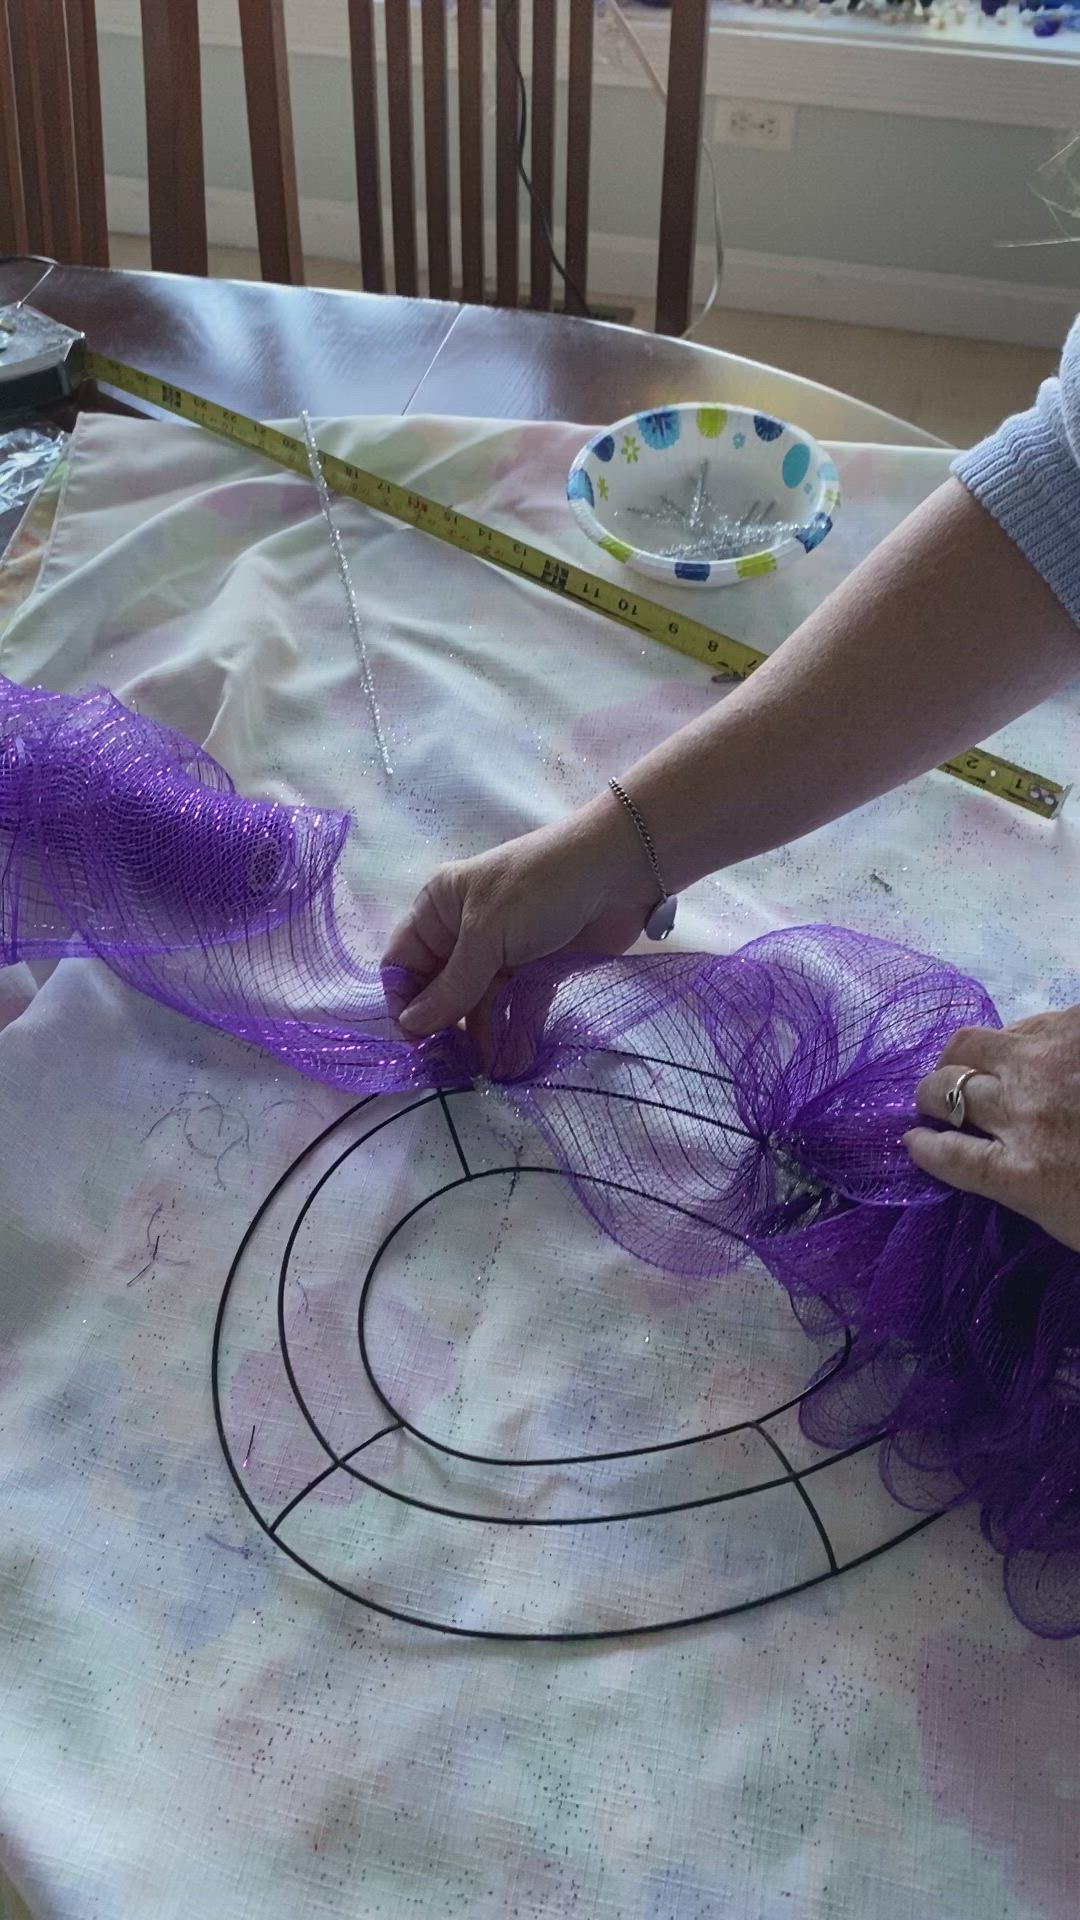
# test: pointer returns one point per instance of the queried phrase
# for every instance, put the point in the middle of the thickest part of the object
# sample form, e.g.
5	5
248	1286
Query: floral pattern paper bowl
650	488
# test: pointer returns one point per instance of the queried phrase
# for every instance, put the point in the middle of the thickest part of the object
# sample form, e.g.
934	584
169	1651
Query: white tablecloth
189	1722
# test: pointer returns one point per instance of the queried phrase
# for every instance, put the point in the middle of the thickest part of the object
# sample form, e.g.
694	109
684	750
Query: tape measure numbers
1032	791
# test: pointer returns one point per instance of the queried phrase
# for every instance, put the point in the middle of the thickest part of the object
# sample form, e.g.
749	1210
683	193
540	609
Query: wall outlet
755	123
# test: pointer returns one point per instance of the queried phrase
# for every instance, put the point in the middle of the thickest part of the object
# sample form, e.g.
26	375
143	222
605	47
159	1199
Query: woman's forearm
941	636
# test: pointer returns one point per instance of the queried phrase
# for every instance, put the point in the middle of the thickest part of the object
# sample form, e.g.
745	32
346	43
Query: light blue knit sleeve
1028	476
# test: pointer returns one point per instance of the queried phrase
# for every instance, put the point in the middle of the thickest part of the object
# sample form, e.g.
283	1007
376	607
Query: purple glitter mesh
722	1108
120	838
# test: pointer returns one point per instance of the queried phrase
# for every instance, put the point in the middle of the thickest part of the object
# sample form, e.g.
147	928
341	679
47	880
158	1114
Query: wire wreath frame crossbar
788	1475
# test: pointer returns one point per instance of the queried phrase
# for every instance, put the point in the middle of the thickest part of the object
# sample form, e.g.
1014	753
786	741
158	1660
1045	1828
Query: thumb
457	989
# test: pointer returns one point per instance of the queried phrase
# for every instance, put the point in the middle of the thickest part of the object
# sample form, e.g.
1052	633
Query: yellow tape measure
978	768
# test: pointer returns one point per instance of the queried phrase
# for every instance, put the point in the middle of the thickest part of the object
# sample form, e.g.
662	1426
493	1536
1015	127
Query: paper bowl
758	470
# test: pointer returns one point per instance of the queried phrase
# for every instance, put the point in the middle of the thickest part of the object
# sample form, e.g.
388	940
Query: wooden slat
436	148
400	128
365	96
578	149
12	211
46	136
682	147
542	157
61	182
270	132
507	107
26	61
174	148
89	141
471	147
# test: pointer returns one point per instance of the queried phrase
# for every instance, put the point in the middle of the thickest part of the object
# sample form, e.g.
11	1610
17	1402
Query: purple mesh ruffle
707	1109
120	838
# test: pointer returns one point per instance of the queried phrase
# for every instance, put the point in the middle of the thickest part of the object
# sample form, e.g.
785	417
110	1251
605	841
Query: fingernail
412	1021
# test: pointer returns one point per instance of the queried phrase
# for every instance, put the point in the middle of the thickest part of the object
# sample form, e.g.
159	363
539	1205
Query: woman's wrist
618	857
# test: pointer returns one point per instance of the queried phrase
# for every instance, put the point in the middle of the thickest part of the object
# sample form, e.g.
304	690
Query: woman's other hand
1024	1099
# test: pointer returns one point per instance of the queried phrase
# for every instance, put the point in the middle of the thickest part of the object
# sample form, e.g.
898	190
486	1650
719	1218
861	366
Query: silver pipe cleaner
315	462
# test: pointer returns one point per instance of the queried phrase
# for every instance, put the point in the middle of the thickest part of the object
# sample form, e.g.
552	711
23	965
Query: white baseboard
624	268
845	290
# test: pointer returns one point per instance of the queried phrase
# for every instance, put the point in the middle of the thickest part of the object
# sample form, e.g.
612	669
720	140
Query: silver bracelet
662	918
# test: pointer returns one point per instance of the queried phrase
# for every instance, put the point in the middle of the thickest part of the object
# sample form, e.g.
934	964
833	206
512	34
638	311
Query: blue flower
579	486
811	536
767	429
660	429
604	447
738	441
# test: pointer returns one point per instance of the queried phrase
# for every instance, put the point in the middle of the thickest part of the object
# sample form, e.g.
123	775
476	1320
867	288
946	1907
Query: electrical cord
660	90
539	213
569	283
32	259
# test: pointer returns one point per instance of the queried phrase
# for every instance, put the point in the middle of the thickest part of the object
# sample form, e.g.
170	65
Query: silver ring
954	1099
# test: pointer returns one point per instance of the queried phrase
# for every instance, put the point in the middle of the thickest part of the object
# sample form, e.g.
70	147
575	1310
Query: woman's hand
1024	1098
582	886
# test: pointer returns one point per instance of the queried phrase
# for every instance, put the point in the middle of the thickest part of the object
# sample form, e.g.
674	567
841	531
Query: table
189	1726
271	351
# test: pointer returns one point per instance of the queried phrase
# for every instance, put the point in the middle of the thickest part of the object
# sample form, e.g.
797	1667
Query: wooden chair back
52	165
52	180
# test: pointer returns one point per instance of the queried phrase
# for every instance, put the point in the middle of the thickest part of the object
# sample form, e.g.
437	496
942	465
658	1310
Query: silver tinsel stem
319	477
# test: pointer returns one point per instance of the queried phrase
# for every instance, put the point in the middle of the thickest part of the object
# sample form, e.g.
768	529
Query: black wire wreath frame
789	1475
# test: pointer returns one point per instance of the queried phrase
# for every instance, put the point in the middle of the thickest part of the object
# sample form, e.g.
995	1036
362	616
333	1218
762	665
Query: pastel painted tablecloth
189	1722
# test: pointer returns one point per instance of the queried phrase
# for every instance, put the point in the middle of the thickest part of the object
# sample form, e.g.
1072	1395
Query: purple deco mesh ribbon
758	1099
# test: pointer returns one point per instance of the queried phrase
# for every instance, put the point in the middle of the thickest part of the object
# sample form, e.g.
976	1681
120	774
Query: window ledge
970	70
1001	76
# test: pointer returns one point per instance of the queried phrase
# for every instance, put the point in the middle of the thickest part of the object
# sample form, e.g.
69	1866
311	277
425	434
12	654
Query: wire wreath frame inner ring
519	1462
